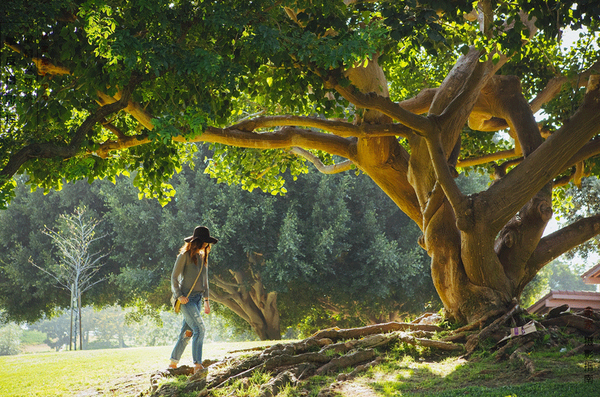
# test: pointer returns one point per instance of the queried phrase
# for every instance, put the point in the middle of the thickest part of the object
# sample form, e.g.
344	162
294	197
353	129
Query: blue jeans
192	328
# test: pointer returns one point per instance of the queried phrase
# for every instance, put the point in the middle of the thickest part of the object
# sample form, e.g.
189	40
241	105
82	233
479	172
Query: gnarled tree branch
285	138
548	160
555	244
325	169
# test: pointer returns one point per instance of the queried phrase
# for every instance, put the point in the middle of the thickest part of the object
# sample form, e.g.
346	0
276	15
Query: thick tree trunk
247	298
481	246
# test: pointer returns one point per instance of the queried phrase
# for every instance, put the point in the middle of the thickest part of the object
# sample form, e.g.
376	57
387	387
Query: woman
189	284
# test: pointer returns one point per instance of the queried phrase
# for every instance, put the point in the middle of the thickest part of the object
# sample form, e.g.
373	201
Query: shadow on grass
403	375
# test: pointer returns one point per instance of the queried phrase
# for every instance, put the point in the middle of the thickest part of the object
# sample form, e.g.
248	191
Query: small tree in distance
76	270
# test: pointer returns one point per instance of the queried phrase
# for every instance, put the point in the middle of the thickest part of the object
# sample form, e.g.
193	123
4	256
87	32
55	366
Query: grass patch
481	376
65	373
247	387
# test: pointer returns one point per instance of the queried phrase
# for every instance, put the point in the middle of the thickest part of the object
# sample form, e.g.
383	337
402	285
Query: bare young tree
77	267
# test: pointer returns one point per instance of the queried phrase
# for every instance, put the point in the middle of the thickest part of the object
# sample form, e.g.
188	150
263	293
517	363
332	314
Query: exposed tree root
325	352
479	324
520	354
358	369
474	340
331	350
593	348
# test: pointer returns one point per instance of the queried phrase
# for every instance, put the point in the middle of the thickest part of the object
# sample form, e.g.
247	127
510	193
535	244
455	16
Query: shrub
10	339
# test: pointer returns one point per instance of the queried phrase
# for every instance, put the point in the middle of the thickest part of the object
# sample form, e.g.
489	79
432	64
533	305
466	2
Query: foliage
580	202
140	260
32	337
99	89
204	65
557	275
10	339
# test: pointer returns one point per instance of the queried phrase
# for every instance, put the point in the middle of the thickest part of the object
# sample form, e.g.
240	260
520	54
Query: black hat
201	233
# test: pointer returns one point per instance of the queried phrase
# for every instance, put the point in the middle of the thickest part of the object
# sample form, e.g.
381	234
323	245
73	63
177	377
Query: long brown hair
193	247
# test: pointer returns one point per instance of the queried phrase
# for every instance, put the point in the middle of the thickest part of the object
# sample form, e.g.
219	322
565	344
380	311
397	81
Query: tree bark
248	298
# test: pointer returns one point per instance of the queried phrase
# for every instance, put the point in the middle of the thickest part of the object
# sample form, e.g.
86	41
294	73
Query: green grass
481	377
66	373
406	372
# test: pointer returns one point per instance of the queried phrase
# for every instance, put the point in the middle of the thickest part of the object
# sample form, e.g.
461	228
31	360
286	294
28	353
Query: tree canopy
407	92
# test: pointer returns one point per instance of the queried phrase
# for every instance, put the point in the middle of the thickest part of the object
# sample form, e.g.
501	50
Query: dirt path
354	389
133	385
139	384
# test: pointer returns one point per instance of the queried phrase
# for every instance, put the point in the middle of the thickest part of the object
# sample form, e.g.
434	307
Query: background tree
57	330
406	92
558	275
28	293
143	238
10	339
78	266
262	267
581	201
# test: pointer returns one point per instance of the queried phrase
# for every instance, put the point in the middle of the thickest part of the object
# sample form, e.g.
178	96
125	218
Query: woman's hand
206	307
183	299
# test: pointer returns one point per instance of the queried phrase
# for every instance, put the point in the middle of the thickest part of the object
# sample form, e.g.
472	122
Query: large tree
406	92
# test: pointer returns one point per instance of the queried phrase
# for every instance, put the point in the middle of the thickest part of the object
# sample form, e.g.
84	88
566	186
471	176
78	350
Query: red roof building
577	300
592	276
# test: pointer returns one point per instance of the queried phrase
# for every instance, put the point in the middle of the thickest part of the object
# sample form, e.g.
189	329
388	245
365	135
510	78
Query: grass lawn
405	372
67	373
483	377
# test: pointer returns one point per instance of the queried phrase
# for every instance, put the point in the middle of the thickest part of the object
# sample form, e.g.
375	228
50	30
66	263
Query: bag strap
197	277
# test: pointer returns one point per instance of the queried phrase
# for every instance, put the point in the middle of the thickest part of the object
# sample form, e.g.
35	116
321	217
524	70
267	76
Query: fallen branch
520	354
474	340
593	348
354	333
581	323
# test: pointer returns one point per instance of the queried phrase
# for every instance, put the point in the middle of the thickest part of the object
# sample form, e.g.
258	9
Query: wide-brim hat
201	233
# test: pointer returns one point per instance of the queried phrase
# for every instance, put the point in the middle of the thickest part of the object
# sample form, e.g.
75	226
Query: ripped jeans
192	328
